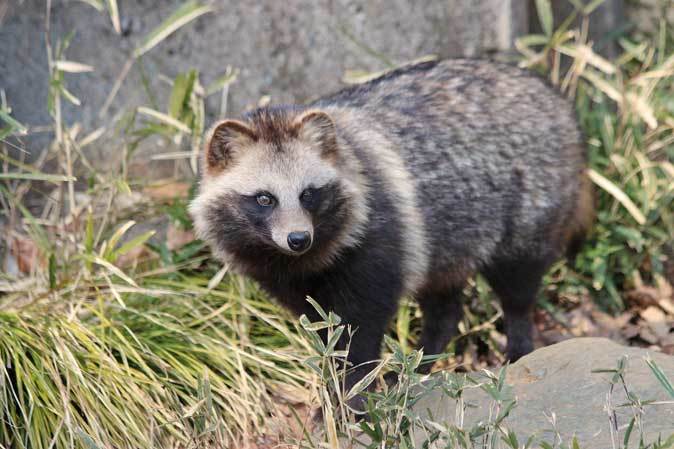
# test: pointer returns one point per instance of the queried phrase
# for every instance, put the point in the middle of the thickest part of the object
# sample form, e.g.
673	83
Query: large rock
559	380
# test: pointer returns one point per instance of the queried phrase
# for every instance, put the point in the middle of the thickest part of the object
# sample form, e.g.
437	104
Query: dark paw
357	405
391	379
517	351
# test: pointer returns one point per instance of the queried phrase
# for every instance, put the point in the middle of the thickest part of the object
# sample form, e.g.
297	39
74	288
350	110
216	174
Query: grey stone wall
291	50
606	20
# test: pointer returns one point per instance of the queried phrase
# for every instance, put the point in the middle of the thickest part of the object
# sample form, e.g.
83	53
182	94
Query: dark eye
310	198
307	195
264	199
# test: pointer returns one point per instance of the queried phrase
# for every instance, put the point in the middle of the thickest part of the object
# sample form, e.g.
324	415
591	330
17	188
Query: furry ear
317	127
224	140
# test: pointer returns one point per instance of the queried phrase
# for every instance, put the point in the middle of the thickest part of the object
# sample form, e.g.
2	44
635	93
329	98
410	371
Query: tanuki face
272	185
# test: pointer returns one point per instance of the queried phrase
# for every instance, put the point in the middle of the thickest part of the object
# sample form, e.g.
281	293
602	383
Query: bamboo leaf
660	375
365	382
228	78
181	92
594	4
618	194
38	177
585	53
116	236
628	432
131	244
113	9
544	10
69	96
642	109
574	443
91	137
182	16
167	119
13	123
611	91
72	66
332	342
217	278
533	39
98	4
317	307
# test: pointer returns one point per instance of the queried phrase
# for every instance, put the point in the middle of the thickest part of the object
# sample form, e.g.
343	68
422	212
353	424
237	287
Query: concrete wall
291	50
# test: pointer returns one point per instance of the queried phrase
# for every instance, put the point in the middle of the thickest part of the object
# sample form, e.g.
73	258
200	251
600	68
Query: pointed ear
225	139
317	127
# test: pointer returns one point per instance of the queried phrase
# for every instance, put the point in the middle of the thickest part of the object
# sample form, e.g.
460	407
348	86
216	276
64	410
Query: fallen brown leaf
177	237
667	305
131	258
27	254
656	320
167	191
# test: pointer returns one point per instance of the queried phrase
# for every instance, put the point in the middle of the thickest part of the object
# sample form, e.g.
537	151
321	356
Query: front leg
365	297
364	300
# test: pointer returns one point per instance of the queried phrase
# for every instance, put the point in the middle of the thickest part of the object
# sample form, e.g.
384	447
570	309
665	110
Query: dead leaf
653	314
126	201
291	417
642	296
647	334
131	257
667	305
668	349
177	237
26	254
630	331
167	191
289	393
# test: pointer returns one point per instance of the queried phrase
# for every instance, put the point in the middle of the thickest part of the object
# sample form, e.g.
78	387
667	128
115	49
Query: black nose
299	241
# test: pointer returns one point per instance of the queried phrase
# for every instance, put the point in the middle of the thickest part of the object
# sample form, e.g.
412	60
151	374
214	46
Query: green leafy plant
624	110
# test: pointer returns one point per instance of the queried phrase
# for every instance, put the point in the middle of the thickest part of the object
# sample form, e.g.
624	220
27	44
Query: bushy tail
582	218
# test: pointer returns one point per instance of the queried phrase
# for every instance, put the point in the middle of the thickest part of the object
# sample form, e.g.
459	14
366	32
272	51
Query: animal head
276	183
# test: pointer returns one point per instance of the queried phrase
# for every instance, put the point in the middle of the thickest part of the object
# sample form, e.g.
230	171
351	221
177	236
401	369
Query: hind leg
516	282
442	310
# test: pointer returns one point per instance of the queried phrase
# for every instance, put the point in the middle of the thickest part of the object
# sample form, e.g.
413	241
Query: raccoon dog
405	185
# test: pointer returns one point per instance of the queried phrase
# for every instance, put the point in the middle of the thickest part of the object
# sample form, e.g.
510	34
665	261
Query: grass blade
660	375
618	194
114	270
